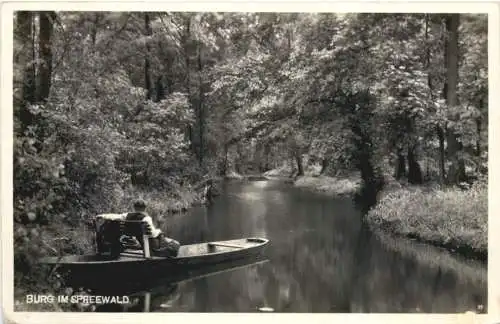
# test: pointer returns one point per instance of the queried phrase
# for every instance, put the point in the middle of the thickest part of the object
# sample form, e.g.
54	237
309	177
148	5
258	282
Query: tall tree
430	84
46	19
200	104
147	76
186	46
456	172
26	60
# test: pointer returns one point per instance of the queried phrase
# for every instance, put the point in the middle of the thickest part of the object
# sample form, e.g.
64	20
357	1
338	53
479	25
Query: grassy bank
452	218
345	185
329	185
250	177
159	202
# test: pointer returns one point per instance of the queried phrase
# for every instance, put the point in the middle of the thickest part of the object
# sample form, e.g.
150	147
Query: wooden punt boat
135	264
157	284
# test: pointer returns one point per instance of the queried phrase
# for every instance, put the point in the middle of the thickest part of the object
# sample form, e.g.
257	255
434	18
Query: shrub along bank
72	235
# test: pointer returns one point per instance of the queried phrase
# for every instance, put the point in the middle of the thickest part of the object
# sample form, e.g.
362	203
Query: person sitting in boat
208	192
160	245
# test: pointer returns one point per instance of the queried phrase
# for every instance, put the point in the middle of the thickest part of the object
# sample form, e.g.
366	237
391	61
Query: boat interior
185	251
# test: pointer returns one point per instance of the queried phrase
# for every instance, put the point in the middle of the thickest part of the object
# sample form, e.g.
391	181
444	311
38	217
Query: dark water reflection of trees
321	259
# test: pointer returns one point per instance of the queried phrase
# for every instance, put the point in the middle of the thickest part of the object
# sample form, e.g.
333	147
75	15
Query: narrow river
321	259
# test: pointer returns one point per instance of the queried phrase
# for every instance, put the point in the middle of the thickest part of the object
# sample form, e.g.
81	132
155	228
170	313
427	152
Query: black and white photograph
250	162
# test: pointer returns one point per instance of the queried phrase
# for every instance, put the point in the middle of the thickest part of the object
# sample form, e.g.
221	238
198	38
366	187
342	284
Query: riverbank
330	185
249	177
451	218
72	235
175	201
346	185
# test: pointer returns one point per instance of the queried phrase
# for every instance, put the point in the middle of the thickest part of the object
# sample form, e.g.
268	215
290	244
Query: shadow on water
164	293
321	259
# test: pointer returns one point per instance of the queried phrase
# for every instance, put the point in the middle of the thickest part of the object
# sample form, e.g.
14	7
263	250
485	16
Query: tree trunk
167	78
185	43
442	156
147	77
93	35
239	158
400	171
361	125
414	169
24	32
439	129
169	83
456	172
160	90
324	166
45	55
292	166
267	152
201	114
300	166
225	160
372	182
478	130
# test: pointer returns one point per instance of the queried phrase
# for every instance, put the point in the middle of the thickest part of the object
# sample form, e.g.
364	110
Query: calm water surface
320	259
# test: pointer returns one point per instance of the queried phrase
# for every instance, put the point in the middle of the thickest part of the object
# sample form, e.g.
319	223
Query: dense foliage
110	105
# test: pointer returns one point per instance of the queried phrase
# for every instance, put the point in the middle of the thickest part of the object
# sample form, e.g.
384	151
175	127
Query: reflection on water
321	259
145	301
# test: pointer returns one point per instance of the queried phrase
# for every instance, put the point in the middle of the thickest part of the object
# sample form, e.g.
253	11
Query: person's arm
111	216
154	231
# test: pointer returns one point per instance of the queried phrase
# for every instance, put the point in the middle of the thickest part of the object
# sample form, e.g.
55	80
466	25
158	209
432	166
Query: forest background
110	106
